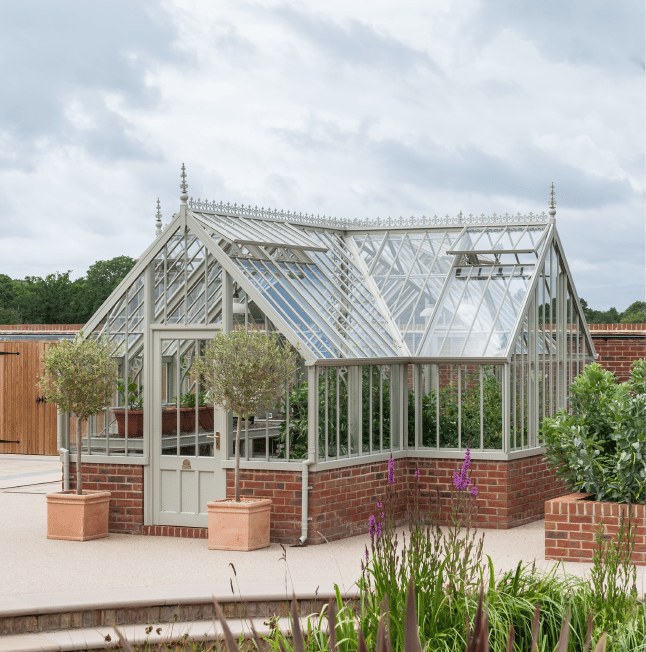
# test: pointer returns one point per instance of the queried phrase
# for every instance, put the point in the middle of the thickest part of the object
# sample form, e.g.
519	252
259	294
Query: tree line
56	299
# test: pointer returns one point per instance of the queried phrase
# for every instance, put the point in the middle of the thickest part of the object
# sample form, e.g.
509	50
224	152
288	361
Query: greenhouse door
185	445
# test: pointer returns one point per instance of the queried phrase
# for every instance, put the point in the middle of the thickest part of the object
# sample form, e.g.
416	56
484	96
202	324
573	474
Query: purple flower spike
367	555
474	491
461	479
417	473
372	529
391	471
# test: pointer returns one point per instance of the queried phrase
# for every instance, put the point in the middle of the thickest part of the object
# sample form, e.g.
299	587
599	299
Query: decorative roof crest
233	210
183	186
552	204
158	221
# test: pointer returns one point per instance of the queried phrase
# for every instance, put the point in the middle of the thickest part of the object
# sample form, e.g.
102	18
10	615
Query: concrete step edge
96	638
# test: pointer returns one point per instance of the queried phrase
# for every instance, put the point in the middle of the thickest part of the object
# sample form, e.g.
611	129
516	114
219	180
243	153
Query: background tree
244	371
80	376
102	278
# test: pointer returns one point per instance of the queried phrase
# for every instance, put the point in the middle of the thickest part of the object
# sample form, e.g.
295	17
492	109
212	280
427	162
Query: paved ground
33	564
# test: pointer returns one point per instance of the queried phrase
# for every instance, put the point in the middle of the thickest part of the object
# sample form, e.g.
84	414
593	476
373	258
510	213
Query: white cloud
408	108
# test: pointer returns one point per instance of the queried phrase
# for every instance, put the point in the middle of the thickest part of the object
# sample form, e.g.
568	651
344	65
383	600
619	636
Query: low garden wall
341	500
571	523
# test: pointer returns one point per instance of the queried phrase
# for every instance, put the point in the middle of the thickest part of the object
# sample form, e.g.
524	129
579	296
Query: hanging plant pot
78	518
239	526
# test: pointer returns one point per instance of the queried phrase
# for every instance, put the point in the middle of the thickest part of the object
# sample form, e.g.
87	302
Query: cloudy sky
345	108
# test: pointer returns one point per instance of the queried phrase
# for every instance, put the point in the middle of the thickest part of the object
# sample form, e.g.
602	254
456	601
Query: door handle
217	440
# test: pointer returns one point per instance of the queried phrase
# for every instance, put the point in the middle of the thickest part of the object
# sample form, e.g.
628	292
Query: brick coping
70	601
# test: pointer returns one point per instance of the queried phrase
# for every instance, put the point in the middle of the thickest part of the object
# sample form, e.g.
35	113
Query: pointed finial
158	222
183	186
552	204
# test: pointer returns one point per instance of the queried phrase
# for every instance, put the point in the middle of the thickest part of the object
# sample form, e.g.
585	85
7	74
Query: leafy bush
599	447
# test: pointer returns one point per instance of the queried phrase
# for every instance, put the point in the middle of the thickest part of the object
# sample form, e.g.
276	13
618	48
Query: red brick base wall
342	500
125	482
571	524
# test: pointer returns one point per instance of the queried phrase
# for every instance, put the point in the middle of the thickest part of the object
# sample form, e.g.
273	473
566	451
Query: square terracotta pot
239	526
78	518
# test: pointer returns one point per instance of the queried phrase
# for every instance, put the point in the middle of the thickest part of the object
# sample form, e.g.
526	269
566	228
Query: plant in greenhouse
132	392
244	371
79	376
599	447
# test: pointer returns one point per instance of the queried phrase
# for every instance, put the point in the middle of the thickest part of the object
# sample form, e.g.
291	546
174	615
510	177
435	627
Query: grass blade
381	636
124	642
331	626
361	641
386	615
411	630
601	643
479	640
510	638
588	636
565	633
228	636
535	628
297	634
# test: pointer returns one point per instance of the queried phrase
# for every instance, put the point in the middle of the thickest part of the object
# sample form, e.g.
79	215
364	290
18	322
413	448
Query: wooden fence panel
22	419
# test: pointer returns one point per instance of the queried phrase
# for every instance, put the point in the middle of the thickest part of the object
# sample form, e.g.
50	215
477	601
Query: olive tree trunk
236	479
79	445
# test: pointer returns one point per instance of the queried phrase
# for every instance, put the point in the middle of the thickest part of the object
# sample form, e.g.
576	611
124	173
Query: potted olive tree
79	375
242	371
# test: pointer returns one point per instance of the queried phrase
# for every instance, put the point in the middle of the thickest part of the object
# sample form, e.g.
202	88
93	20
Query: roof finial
158	222
552	204
183	186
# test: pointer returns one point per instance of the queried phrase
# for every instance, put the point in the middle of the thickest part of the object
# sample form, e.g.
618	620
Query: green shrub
599	447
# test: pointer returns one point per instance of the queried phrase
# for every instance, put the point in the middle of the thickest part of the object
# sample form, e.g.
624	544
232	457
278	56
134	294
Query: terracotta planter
239	526
135	423
78	518
206	417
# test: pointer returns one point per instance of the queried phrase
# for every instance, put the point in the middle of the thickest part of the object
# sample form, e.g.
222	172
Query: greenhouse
416	338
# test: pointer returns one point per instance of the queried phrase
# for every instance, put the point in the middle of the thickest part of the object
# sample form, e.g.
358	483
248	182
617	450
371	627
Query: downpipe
61	431
305	493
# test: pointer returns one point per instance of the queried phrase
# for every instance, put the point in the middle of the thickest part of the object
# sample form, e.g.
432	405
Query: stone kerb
571	524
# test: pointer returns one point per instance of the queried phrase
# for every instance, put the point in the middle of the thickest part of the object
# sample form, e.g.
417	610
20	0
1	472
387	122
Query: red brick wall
618	345
284	489
125	482
342	500
571	524
509	493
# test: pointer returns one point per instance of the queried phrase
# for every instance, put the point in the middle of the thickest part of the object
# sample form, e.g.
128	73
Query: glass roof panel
410	270
478	312
334	319
245	231
500	239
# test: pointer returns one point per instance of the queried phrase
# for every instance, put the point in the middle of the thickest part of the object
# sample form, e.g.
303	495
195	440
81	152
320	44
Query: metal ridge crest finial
183	186
158	221
552	204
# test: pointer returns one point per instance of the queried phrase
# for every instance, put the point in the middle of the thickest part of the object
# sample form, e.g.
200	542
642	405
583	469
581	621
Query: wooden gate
29	425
